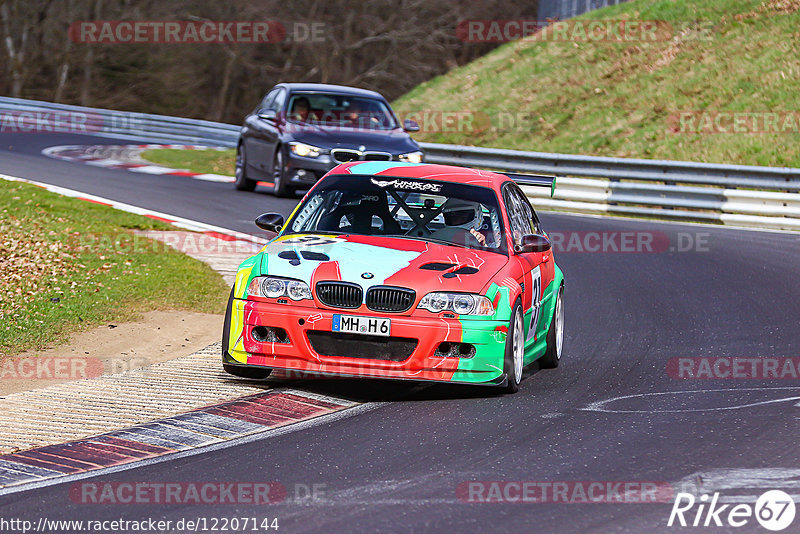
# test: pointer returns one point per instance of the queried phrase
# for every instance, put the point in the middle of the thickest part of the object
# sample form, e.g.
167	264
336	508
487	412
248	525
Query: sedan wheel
242	183
280	189
555	335
515	351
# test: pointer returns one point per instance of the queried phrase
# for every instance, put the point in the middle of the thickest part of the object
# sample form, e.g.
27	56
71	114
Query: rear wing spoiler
536	180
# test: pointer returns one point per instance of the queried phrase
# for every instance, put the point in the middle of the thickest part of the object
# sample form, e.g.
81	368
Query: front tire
555	335
242	182
515	350
281	188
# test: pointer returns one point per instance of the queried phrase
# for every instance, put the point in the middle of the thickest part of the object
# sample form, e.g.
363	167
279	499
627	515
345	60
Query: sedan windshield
444	212
340	110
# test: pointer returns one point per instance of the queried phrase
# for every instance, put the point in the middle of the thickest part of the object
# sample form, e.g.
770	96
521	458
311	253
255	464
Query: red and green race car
401	271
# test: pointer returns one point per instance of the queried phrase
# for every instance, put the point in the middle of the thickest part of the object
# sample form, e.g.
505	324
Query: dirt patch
110	349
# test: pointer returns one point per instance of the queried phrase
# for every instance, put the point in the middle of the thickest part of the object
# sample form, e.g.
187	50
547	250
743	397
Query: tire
281	188
242	182
515	350
555	335
236	370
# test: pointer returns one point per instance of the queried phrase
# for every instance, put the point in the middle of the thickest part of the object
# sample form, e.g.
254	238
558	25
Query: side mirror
410	126
271	222
533	243
267	114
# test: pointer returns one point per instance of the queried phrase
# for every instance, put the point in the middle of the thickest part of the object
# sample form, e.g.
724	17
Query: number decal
536	301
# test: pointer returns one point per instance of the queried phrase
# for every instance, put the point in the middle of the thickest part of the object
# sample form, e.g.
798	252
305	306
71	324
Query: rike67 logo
774	510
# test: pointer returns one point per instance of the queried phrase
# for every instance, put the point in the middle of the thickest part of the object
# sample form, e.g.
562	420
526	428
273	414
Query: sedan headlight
460	303
304	150
274	287
411	157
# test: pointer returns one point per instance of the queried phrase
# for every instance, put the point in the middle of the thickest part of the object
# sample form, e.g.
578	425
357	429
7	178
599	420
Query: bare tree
385	45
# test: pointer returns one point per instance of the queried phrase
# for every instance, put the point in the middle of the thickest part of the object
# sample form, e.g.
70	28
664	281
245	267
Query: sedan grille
340	294
377	156
342	155
390	299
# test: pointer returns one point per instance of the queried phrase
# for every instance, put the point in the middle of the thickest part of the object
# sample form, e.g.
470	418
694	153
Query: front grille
394	349
390	299
343	155
377	156
340	294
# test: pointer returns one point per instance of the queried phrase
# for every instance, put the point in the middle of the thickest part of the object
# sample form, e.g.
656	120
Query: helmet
463	214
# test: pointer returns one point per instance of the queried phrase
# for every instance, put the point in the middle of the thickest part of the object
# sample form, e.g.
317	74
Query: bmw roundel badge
367	276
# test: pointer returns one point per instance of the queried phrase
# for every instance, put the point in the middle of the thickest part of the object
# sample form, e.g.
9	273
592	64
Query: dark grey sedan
298	132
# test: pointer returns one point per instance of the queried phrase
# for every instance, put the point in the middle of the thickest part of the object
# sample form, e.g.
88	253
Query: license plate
354	324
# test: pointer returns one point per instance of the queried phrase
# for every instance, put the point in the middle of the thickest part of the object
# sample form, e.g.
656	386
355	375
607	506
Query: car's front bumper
487	336
302	171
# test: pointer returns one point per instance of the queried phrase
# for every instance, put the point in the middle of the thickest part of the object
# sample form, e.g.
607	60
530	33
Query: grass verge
622	98
202	161
68	265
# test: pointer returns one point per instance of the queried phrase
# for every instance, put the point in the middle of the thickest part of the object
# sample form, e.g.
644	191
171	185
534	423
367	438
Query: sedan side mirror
271	222
267	114
410	126
533	243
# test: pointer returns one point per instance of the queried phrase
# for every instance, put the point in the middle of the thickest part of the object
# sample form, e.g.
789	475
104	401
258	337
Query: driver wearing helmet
465	215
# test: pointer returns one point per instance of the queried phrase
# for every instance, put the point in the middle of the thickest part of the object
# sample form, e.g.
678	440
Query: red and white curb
254	414
128	157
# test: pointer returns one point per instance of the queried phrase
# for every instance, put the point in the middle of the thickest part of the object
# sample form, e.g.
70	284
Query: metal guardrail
742	195
766	197
42	117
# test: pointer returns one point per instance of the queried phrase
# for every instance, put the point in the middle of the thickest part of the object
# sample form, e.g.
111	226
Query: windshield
340	110
448	213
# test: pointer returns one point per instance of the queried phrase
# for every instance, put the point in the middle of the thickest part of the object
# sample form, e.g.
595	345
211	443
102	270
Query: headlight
304	150
274	287
411	157
460	303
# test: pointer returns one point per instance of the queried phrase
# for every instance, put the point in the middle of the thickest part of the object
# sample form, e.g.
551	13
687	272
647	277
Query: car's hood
394	141
370	260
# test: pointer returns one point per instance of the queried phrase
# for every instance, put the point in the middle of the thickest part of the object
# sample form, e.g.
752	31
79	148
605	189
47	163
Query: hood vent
462	270
435	266
438	266
294	259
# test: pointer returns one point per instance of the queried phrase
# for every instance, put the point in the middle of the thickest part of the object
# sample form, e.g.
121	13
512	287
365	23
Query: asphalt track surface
395	466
